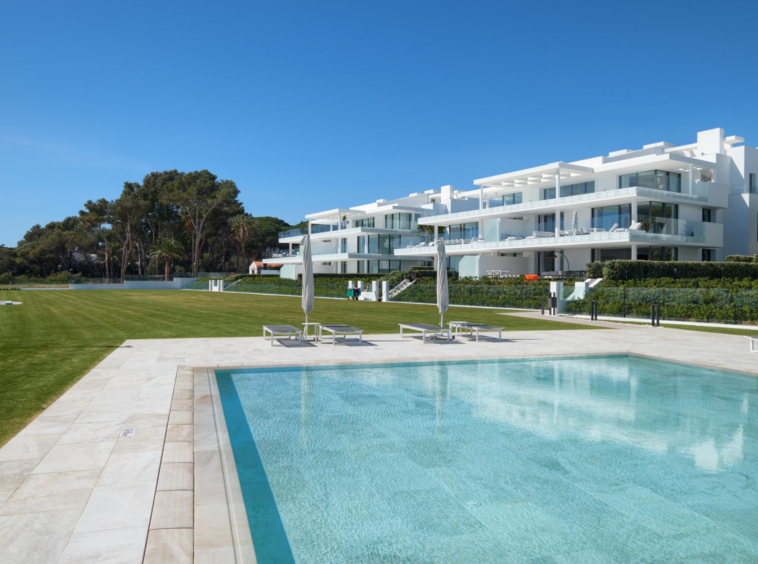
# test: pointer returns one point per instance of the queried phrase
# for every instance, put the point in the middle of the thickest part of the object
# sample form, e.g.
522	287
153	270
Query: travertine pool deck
72	489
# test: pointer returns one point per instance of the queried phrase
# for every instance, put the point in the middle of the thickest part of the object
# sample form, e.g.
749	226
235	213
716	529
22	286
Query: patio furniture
424	329
752	342
316	333
340	330
281	331
474	329
490	273
613	228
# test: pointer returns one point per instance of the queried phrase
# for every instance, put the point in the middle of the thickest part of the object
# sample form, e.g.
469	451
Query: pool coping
209	419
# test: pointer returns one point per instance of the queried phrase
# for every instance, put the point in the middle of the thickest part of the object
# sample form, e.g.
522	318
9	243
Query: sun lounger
341	330
283	331
424	329
460	328
752	342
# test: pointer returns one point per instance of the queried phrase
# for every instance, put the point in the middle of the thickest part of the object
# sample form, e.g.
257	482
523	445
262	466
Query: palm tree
109	253
167	249
242	229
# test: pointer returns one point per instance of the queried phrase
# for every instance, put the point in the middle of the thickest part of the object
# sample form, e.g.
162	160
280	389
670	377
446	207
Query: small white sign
127	432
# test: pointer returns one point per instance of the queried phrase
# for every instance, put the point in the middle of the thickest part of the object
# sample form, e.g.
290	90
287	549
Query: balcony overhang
331	216
532	176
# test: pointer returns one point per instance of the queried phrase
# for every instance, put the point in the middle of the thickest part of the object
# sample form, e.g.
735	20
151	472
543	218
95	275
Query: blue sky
309	106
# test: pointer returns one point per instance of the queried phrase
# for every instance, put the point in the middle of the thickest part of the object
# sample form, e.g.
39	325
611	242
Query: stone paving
73	489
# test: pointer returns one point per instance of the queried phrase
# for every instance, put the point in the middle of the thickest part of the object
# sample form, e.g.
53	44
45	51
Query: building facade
695	202
364	239
662	202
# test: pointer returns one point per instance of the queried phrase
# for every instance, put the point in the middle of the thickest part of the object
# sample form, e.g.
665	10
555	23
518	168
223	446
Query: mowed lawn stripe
56	337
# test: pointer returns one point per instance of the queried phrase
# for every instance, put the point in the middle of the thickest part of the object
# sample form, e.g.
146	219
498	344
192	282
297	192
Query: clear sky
309	106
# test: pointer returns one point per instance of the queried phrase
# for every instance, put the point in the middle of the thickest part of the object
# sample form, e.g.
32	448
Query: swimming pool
584	459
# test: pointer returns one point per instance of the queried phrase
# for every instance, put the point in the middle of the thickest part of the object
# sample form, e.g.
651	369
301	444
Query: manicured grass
55	337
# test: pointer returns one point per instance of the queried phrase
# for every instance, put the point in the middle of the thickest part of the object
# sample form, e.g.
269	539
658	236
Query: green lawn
55	337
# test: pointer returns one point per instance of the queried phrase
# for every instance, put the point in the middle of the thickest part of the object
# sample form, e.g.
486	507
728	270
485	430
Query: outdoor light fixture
554	254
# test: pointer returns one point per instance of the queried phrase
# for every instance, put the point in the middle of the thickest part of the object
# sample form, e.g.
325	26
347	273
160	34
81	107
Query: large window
546	222
368	222
511	199
383	266
381	244
464	231
709	255
398	221
658	179
608	216
343	267
707	215
752	185
656	216
343	245
361	267
570	190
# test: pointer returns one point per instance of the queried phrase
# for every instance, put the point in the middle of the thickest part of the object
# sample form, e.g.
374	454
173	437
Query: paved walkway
77	486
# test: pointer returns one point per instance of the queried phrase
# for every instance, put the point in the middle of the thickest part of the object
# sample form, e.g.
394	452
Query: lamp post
554	254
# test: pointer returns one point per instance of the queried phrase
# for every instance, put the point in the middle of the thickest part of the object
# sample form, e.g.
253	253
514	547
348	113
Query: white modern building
363	239
695	202
662	202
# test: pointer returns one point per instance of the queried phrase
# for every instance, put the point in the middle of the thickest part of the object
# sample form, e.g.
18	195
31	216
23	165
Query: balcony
651	231
706	193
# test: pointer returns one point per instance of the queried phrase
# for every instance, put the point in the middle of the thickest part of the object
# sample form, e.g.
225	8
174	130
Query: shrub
528	297
594	270
742	258
6	278
641	269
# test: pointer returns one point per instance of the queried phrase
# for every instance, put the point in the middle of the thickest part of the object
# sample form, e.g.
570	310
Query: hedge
704	283
527	297
686	304
742	258
640	269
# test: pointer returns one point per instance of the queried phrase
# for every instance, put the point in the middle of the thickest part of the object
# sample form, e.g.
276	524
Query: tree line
172	221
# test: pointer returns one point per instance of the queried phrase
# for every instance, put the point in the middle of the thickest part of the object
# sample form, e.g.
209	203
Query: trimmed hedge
527	297
703	283
742	258
642	269
687	304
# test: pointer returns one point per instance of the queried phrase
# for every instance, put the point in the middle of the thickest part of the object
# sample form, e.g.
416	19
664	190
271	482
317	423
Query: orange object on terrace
531	277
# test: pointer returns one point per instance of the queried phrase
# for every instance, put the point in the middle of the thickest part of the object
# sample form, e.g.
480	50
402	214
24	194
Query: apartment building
661	202
363	239
694	202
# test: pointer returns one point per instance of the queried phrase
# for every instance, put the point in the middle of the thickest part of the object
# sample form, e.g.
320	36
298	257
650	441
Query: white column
634	211
558	184
634	252
309	227
290	253
692	180
481	197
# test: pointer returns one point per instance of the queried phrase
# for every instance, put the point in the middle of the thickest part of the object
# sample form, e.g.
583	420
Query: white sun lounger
474	329
283	331
424	329
341	330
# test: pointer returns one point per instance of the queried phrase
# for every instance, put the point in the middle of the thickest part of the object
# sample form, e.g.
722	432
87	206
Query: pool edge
219	505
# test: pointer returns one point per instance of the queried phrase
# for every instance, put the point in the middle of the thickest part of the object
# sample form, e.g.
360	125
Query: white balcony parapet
663	232
620	193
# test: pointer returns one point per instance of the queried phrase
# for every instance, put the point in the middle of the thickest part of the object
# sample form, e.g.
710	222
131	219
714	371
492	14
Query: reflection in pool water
608	459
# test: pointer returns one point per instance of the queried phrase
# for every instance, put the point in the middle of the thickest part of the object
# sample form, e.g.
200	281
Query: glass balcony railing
701	195
526	233
300	231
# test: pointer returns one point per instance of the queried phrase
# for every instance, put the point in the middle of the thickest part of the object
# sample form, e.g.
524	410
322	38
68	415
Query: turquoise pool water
593	459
